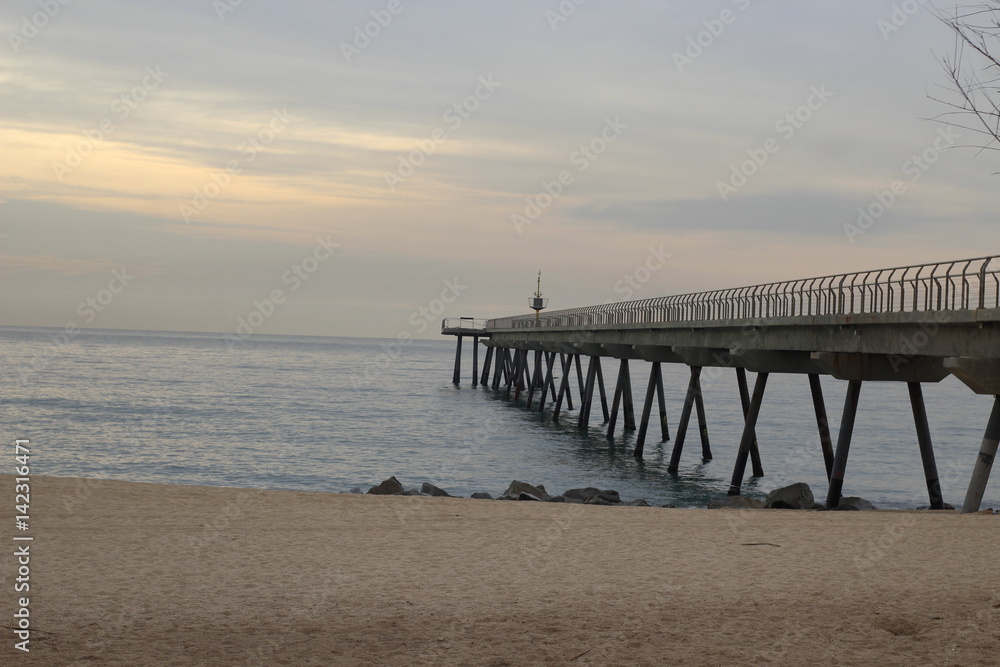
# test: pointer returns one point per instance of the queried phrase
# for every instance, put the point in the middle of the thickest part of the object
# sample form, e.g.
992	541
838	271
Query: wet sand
144	574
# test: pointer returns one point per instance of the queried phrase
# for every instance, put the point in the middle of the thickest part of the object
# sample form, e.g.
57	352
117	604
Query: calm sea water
327	414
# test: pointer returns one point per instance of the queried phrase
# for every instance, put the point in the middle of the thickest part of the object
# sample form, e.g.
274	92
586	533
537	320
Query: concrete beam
770	361
703	356
882	367
618	351
661	353
980	375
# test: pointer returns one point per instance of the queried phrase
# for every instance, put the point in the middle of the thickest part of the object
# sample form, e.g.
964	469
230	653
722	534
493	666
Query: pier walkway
912	324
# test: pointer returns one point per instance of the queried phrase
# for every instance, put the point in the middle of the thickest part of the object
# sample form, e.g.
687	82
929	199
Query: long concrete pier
912	324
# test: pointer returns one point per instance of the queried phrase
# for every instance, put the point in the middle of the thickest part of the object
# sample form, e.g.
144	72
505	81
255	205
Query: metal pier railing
956	285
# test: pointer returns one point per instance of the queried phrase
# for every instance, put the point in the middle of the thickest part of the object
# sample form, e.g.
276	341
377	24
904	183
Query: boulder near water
796	496
736	502
387	487
516	488
432	490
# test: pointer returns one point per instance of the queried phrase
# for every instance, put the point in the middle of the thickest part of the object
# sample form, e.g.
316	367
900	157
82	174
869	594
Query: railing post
982	283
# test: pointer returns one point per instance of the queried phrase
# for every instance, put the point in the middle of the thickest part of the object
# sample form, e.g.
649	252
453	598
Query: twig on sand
581	655
759	544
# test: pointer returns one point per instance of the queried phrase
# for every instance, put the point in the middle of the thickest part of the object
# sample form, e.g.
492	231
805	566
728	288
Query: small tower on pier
537	303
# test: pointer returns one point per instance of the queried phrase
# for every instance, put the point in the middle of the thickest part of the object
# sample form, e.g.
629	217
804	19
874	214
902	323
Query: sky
369	168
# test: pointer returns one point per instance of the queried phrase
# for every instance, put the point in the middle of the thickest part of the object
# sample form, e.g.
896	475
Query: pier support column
699	405
499	367
522	378
456	376
569	385
694	388
627	403
579	377
550	358
485	378
514	378
552	363
655	387
567	366
475	360
617	399
757	470
588	394
600	386
843	444
822	423
536	379
926	448
662	404
984	462
749	430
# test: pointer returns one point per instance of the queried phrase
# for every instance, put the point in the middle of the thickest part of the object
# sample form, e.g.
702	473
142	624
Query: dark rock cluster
795	496
517	490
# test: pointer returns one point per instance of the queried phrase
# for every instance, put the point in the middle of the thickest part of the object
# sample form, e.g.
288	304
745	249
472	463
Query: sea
331	414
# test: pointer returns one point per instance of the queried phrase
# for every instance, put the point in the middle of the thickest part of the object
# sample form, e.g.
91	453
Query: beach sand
143	574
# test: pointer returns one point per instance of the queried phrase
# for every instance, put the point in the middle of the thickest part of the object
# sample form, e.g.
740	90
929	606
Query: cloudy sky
338	166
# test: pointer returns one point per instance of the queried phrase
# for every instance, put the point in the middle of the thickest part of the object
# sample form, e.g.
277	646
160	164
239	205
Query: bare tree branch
973	72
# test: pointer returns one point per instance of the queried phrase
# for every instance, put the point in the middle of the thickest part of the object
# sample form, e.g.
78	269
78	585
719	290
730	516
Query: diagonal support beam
926	448
456	377
567	366
550	358
535	380
661	400
475	360
484	379
588	394
617	400
655	381
843	444
822	423
984	461
749	430
755	465
600	386
627	403
694	387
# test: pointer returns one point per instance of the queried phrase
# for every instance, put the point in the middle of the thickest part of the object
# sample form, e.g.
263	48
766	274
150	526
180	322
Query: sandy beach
143	574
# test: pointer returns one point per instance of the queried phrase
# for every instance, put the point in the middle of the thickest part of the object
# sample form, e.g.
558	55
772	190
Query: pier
913	324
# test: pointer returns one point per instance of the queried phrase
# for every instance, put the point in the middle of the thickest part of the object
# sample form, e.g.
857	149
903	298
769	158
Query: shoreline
142	573
756	494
